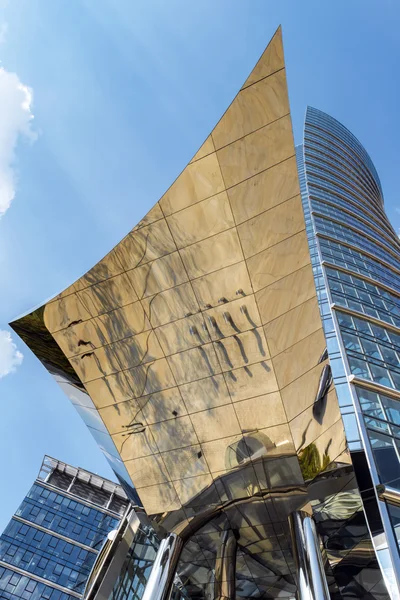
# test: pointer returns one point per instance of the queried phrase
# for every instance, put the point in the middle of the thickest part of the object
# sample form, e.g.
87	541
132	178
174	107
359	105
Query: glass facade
135	571
355	254
49	547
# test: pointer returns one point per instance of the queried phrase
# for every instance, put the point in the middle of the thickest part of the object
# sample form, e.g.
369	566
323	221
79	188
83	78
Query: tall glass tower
50	545
355	254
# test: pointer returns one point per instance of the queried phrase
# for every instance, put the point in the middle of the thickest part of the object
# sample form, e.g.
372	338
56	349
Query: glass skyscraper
355	254
50	545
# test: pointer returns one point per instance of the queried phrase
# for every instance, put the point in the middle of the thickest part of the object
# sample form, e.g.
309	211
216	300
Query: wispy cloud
10	356
15	122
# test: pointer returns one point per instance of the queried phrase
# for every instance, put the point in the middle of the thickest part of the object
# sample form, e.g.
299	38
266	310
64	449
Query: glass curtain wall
355	254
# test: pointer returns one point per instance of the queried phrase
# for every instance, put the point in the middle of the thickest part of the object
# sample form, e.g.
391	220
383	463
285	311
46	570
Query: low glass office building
49	547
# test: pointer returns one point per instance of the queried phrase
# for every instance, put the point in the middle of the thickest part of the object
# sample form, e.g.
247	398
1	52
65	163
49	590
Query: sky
102	104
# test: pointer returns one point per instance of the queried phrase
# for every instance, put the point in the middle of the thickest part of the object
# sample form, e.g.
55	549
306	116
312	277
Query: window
11	550
38	536
43	562
31	586
27	557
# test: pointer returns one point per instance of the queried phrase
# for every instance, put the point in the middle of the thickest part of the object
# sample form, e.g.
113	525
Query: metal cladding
194	352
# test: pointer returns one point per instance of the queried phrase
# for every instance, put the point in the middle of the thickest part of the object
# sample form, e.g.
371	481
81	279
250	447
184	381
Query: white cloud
15	122
10	357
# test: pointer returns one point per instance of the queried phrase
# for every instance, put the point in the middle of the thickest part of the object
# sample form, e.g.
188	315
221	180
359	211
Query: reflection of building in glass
355	254
196	354
49	547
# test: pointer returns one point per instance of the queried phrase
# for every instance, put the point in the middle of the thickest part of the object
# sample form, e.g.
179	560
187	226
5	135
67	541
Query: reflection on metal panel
194	352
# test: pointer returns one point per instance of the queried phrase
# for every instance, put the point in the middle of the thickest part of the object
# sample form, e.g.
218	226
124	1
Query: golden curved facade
195	352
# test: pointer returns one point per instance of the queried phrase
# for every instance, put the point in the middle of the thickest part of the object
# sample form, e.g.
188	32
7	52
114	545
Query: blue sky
123	92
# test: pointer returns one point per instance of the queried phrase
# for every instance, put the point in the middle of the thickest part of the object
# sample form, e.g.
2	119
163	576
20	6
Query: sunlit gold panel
212	254
306	428
271	60
260	412
286	294
80	338
300	358
123	322
160	498
120	416
301	393
194	364
215	423
278	261
226	284
146	471
293	326
159	275
183	334
145	244
107	267
271	227
205	149
203	220
153	215
242	349
185	462
135	446
251	381
108	295
256	152
137	350
254	107
161	406
173	433
205	394
95	364
249	198
224	320
109	390
198	181
171	305
62	313
149	378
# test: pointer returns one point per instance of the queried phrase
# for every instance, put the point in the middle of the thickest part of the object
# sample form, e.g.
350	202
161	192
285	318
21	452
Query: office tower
49	547
196	354
355	255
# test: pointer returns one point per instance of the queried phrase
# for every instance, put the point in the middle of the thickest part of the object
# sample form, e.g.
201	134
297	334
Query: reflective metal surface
195	353
164	568
390	494
312	583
